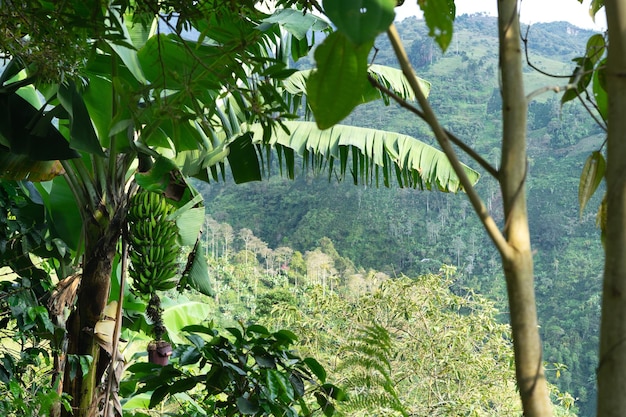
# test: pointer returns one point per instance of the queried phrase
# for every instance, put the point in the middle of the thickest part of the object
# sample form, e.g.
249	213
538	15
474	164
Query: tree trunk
612	356
101	239
517	262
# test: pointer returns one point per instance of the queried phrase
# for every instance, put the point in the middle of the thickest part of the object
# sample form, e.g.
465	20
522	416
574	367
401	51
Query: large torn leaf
368	154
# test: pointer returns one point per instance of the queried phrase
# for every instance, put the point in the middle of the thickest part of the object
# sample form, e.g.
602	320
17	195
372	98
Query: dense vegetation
69	240
401	231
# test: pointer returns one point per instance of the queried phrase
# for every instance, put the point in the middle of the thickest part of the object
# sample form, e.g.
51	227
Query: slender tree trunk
612	356
518	263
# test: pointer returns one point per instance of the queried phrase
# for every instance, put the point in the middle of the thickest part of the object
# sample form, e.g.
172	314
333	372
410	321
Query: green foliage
368	362
442	347
29	397
250	372
361	21
338	83
266	302
28	387
439	16
25	232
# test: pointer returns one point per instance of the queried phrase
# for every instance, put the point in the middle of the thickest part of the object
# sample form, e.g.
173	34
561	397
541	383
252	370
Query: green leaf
26	131
183	385
6	369
590	178
333	391
583	75
295	22
188	355
183	133
287	337
599	90
336	87
317	369
243	160
189	224
246	407
361	20
595	48
82	134
327	407
98	100
158	395
257	328
158	177
198	275
279	386
64	213
167	62
390	77
235	332
595	7
128	55
180	315
439	16
199	328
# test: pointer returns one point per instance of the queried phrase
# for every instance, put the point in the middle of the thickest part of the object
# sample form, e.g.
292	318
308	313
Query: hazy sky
532	11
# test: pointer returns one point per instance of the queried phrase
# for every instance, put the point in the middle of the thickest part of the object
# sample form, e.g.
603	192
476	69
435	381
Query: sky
532	11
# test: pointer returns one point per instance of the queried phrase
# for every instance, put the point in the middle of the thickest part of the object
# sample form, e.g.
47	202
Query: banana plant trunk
101	232
101	197
612	355
518	262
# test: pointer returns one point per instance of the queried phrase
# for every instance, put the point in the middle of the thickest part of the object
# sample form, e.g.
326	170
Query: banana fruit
155	248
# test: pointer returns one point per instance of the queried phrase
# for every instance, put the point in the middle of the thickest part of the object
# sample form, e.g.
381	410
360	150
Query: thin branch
454	139
524	40
490	225
573	84
557	89
600	123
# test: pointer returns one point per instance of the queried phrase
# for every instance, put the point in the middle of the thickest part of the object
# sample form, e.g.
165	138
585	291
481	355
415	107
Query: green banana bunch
154	244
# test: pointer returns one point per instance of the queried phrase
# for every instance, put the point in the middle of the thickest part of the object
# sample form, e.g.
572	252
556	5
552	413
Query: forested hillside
404	231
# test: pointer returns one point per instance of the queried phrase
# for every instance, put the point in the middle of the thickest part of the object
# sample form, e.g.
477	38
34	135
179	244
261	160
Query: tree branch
454	139
440	134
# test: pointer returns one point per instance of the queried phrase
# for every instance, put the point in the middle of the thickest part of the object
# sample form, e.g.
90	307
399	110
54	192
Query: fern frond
368	362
